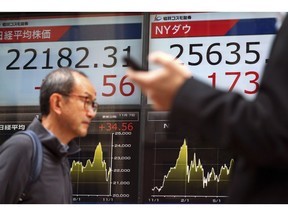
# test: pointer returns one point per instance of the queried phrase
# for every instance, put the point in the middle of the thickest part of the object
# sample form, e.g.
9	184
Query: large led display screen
129	155
228	51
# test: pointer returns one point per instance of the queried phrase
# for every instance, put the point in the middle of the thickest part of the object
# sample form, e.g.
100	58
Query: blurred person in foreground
256	131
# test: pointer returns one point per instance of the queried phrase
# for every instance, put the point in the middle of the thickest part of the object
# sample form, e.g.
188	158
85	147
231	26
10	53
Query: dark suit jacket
256	131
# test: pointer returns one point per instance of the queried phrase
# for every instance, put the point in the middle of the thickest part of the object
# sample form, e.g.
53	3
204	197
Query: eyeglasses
88	103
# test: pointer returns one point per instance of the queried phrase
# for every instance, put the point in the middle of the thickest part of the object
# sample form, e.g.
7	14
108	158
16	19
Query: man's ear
56	102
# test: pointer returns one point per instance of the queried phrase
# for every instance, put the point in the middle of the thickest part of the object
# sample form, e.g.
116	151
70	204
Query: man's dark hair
58	81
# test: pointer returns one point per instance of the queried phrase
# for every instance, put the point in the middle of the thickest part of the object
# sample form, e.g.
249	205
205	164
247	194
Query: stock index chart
182	171
106	169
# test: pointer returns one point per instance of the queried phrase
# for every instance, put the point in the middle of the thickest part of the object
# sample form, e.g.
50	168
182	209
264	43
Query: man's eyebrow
89	95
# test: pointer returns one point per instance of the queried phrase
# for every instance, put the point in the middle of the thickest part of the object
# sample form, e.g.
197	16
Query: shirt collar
51	142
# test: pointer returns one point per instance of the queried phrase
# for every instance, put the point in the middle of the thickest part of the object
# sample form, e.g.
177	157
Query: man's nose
91	113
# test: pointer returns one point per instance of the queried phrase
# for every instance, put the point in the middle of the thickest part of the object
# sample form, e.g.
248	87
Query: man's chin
82	133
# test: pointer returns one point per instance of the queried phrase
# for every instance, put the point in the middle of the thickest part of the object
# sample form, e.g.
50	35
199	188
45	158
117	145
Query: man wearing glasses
67	105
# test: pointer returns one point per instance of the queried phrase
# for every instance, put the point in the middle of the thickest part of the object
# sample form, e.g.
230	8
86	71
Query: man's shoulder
18	143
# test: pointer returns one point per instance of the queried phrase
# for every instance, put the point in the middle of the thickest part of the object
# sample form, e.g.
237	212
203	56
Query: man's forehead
84	85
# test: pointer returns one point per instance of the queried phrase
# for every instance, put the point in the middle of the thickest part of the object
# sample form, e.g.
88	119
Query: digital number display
65	58
226	53
31	48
